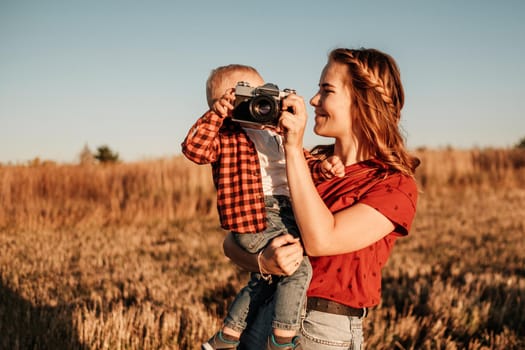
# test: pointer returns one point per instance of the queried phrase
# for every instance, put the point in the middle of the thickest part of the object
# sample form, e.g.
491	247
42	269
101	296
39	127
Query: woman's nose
314	101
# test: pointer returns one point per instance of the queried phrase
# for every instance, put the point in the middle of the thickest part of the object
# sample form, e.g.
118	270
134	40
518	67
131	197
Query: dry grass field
129	256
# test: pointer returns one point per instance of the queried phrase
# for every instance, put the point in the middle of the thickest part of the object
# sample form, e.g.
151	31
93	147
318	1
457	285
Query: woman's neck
350	151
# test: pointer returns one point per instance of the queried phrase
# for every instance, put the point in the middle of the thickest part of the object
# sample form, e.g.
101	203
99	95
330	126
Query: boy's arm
322	168
202	144
315	167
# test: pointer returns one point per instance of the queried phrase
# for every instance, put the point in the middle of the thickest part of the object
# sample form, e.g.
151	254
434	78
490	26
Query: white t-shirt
269	146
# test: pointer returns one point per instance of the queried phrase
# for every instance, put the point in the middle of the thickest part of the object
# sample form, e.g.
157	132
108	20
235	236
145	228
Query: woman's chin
319	121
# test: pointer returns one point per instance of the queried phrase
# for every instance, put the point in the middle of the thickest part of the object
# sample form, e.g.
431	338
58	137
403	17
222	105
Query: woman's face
332	102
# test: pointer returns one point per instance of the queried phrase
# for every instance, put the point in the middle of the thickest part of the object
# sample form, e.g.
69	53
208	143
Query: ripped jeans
288	291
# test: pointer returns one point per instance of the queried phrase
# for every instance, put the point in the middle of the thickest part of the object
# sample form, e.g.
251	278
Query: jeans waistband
333	307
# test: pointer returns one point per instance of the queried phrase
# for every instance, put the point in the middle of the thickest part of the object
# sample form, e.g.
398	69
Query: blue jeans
319	331
289	291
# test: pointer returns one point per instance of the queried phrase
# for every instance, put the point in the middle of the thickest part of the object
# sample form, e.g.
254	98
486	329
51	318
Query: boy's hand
224	105
332	166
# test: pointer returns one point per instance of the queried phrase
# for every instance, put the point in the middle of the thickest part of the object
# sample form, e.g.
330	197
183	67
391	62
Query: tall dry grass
56	196
478	169
128	257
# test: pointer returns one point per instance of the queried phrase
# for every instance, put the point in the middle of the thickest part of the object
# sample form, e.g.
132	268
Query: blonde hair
377	100
220	73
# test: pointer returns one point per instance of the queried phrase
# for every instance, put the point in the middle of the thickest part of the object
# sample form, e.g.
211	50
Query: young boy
253	202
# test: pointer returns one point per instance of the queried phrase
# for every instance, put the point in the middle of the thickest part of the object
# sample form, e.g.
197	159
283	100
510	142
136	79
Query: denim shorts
319	331
324	331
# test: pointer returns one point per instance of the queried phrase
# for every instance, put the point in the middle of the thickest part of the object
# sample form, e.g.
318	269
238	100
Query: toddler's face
232	80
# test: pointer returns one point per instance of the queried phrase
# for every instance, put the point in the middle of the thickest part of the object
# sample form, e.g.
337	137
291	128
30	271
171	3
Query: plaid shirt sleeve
202	144
314	163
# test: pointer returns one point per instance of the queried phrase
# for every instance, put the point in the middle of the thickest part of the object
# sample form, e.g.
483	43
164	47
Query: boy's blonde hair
218	74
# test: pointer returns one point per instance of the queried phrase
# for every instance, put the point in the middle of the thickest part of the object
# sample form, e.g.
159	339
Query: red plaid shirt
236	171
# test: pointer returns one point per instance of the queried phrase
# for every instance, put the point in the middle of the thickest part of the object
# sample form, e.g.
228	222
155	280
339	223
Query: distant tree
86	156
106	155
35	162
521	144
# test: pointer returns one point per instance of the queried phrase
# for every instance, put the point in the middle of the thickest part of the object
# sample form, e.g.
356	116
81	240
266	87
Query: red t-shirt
354	279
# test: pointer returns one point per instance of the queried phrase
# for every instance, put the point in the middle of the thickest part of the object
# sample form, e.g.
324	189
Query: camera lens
264	109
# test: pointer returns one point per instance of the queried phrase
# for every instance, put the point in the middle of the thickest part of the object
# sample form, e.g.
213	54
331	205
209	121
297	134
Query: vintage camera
258	105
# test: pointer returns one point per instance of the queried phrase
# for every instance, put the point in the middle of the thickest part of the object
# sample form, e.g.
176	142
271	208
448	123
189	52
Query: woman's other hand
282	256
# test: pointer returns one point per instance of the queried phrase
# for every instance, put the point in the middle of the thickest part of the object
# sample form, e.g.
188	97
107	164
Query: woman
348	225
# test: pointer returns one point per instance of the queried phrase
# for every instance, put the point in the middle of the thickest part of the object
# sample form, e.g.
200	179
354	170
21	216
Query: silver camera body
258	105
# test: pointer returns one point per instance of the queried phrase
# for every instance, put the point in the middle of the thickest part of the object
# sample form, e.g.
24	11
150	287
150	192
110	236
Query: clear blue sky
130	74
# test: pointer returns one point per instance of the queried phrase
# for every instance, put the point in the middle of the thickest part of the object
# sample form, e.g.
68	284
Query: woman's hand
282	256
293	121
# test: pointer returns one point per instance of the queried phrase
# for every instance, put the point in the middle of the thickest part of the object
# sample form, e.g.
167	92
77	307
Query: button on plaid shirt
236	171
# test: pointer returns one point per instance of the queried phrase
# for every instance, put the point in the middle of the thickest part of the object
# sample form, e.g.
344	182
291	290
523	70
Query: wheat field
128	256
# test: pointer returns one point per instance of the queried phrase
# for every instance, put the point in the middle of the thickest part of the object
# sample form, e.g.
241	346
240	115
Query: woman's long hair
377	100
